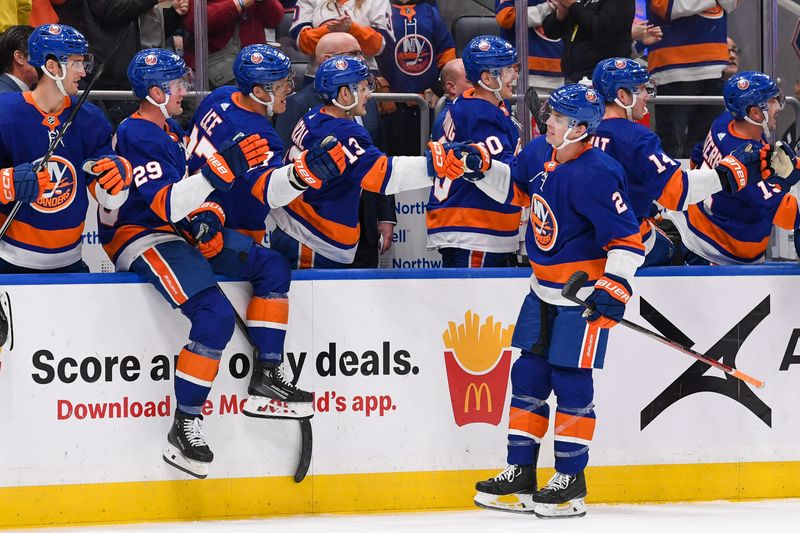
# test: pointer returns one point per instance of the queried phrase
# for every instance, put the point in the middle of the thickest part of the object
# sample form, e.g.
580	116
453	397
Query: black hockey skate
511	490
187	449
562	497
274	396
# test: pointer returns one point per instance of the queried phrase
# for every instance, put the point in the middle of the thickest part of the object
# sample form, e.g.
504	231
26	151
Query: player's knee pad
212	318
269	272
574	387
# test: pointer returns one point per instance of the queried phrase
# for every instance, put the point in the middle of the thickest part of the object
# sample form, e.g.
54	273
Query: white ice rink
774	516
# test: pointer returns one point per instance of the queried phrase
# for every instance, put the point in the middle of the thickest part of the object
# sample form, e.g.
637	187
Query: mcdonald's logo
477	393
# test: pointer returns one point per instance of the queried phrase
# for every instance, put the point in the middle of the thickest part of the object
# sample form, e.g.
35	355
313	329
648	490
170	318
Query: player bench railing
424	118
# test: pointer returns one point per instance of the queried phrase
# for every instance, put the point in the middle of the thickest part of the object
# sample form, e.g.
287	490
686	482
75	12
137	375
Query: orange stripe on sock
268	310
306	259
197	366
580	427
532	423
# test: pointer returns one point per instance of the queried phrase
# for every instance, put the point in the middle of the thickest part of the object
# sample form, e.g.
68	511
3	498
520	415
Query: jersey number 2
619	203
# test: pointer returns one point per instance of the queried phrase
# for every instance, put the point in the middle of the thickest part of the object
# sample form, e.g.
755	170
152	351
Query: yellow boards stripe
402	491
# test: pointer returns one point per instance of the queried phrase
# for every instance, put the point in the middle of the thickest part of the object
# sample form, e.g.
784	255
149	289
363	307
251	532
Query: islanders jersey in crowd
47	234
158	158
423	46
652	176
544	54
694	46
459	215
733	228
217	120
580	218
326	219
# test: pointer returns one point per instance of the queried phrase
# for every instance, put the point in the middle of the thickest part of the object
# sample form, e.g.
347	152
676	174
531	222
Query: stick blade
577	280
306	450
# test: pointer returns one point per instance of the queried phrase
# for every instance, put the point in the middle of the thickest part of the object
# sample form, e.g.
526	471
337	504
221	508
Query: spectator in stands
424	46
644	34
733	60
544	53
454	82
367	20
17	74
688	61
377	215
789	136
42	12
14	13
104	23
232	24
591	30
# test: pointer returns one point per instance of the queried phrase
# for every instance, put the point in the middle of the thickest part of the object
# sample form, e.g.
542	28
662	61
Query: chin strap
496	92
628	108
162	107
566	142
269	105
764	123
348	108
58	79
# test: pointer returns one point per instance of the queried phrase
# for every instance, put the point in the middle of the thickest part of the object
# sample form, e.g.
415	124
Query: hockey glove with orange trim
204	227
611	294
319	164
23	184
114	173
234	159
442	161
744	166
476	159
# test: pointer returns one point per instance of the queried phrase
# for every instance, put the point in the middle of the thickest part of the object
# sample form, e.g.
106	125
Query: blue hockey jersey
459	215
47	234
733	228
544	54
217	120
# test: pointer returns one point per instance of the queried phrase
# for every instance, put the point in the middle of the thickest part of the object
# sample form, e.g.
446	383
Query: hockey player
580	220
320	228
468	228
652	175
730	228
46	234
264	79
142	237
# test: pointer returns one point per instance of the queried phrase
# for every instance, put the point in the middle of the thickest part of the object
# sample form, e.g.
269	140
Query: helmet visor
81	62
181	85
648	87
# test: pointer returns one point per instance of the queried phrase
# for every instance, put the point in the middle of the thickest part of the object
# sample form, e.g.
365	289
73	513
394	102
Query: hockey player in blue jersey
652	175
142	236
734	228
263	81
580	220
468	228
320	229
47	232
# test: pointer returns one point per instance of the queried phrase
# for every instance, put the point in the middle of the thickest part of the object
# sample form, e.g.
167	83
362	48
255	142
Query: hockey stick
6	323
578	279
57	139
532	103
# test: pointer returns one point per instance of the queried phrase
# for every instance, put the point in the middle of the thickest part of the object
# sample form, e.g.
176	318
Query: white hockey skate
511	490
187	449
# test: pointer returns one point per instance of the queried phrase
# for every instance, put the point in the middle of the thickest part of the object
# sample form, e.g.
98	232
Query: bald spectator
454	82
377	215
17	74
14	13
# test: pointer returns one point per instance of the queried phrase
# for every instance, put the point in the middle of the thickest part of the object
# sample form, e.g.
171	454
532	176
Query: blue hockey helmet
156	67
488	52
580	104
747	89
59	41
336	72
260	64
611	75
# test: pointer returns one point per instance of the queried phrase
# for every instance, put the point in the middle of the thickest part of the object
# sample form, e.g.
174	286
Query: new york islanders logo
591	96
54	29
543	222
743	84
715	12
340	64
150	59
620	63
484	46
413	54
62	190
256	58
